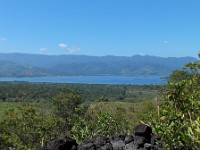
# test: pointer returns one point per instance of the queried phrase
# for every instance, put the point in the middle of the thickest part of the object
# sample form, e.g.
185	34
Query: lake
92	79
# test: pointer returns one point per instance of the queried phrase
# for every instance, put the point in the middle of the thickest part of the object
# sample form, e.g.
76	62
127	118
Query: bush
25	128
100	120
178	122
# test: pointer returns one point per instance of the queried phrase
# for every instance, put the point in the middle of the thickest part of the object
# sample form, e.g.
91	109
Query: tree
65	104
25	128
178	122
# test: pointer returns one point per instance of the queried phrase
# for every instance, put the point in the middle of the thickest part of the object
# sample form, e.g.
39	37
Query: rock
147	146
100	141
128	139
131	146
139	141
118	142
118	145
156	147
143	139
65	143
88	146
120	137
142	130
107	146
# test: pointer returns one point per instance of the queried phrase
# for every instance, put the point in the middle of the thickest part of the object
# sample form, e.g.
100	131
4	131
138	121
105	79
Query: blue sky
101	27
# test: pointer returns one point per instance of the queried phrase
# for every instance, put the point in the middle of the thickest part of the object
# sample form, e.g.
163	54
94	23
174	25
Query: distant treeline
38	92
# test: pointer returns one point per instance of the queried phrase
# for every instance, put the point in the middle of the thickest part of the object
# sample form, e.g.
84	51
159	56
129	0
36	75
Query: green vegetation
25	128
40	111
178	121
43	92
100	120
32	113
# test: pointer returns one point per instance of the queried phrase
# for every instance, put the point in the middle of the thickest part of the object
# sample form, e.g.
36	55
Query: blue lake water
91	79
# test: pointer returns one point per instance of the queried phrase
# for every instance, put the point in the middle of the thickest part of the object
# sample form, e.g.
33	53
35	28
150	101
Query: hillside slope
93	65
10	69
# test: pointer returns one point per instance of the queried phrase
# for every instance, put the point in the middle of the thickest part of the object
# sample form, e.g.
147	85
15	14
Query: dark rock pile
142	139
64	143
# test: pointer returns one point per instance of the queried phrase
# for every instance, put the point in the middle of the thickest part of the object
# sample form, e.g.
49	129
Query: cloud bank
69	49
43	50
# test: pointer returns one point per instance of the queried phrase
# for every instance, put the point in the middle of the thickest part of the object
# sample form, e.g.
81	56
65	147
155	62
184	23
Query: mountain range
17	64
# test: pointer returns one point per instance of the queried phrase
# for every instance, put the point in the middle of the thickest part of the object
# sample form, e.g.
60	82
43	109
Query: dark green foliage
43	92
65	104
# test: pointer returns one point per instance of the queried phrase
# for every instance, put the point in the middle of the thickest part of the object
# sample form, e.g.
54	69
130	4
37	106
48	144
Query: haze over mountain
14	69
16	64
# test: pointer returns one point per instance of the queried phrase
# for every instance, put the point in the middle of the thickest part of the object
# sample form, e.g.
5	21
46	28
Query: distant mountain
41	65
10	69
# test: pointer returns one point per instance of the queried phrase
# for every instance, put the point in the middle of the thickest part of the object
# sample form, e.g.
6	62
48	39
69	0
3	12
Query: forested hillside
91	65
11	69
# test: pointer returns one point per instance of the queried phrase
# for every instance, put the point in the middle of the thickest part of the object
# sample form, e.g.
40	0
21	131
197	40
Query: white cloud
166	41
69	49
63	46
3	39
43	50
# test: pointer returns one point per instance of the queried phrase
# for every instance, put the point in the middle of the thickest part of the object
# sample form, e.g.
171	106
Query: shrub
178	122
25	128
100	120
